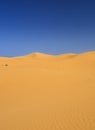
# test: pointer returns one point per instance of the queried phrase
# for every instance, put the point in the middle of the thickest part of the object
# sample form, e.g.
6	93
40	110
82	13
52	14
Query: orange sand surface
48	92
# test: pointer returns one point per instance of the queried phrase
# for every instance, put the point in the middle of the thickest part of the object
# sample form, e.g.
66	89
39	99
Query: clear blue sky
49	26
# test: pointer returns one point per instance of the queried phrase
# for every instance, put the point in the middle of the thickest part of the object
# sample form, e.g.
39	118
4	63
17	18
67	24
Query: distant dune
38	54
48	92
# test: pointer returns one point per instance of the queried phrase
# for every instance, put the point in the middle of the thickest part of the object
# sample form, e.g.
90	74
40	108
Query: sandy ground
44	92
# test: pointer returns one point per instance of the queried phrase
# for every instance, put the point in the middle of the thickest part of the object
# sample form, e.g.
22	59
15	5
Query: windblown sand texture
46	92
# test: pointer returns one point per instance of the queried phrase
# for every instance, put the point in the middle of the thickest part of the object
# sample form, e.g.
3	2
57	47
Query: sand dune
48	92
38	55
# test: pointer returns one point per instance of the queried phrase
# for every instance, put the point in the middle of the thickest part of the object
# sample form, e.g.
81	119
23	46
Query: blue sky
51	26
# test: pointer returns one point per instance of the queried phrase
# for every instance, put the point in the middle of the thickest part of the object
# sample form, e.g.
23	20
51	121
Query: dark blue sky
49	26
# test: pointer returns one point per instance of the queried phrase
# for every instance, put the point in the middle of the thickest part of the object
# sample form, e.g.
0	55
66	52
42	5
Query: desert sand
48	92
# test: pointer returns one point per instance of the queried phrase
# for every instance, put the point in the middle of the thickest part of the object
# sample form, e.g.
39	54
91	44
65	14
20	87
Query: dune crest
38	55
45	55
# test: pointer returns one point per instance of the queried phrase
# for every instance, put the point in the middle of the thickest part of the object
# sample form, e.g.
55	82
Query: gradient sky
48	26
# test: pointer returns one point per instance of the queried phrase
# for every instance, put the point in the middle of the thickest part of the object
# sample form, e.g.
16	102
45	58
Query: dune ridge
48	92
40	54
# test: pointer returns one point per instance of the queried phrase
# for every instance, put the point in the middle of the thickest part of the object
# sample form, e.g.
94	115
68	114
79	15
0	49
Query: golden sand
48	92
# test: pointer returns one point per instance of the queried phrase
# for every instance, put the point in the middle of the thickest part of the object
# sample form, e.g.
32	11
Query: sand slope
44	92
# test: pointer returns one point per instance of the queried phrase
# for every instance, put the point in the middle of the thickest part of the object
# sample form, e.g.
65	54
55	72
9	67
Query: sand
48	92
